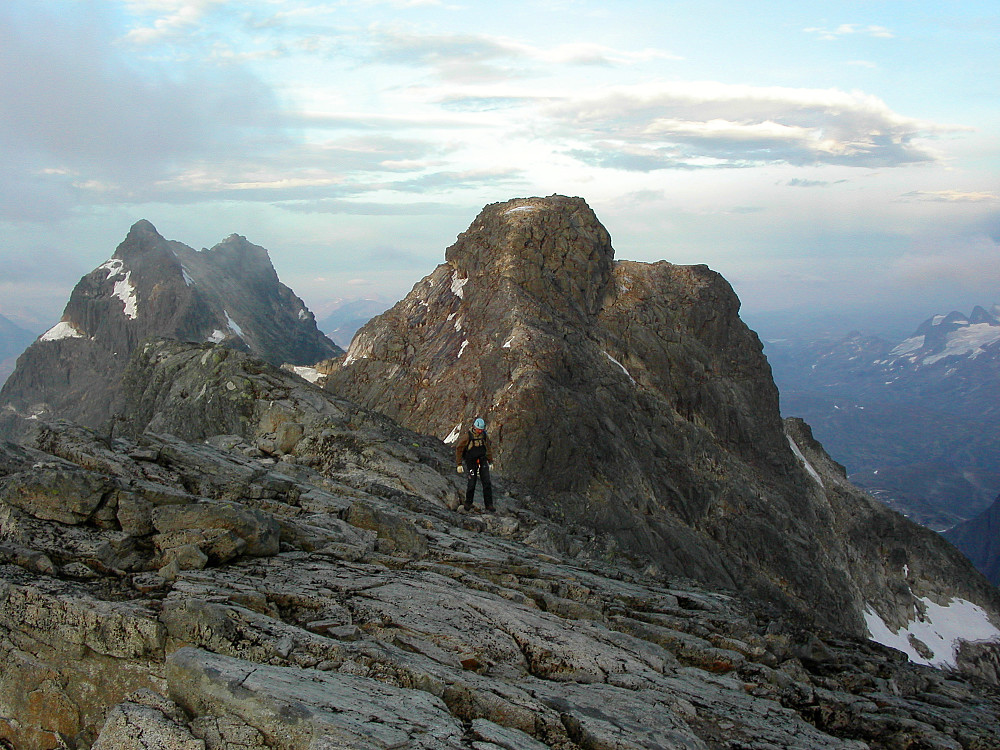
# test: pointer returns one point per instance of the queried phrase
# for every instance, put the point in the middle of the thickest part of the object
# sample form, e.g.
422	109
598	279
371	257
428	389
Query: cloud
370	208
341	168
698	124
850	29
174	18
469	178
80	114
405	3
482	58
485	103
796	182
951	196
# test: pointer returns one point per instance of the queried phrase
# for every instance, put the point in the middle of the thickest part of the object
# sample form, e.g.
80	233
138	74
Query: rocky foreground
286	571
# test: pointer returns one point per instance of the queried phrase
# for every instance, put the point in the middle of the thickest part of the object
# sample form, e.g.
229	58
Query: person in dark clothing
474	454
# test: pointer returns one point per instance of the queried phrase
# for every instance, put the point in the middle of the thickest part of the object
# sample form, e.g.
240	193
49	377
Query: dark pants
478	469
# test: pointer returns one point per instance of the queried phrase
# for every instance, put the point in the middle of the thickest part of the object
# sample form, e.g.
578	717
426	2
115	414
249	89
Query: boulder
259	531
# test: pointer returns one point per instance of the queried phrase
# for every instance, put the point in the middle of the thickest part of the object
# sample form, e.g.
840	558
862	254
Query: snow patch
62	330
462	349
508	342
232	325
124	288
125	291
216	336
113	267
303	314
187	277
453	435
619	365
909	346
307	373
520	210
355	352
808	466
965	341
940	628
457	284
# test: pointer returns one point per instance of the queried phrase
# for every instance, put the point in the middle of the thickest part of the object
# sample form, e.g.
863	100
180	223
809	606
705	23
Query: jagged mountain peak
947	339
553	248
236	254
143	243
142	228
981	315
154	287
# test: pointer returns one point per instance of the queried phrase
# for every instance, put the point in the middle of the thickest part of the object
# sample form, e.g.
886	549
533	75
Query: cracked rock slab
296	709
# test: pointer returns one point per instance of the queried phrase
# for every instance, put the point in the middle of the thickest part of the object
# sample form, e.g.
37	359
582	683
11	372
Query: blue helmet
479	424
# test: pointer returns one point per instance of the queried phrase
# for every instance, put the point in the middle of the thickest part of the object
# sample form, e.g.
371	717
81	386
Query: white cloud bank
707	123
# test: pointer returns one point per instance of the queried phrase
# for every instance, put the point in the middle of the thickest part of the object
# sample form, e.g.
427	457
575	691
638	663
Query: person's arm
460	446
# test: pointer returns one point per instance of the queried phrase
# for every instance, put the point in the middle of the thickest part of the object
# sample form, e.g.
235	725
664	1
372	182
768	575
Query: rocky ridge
302	582
633	400
153	287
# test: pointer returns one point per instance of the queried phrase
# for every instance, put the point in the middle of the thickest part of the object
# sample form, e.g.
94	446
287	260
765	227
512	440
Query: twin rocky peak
625	398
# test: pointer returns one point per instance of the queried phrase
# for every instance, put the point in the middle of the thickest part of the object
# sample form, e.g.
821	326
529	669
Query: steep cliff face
629	396
153	287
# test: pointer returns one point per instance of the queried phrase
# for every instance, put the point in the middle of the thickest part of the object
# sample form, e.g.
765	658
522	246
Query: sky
833	160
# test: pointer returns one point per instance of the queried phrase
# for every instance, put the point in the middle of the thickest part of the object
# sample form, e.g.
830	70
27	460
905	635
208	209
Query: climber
473	454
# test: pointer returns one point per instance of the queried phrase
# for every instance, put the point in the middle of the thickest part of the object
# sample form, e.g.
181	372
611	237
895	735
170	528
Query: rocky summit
633	401
153	287
295	578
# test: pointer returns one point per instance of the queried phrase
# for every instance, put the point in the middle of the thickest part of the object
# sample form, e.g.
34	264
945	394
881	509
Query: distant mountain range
345	317
913	421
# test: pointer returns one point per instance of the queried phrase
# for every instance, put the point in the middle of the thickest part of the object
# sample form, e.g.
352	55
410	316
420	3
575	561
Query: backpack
476	447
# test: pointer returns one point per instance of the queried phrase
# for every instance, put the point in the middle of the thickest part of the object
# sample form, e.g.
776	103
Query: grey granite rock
293	710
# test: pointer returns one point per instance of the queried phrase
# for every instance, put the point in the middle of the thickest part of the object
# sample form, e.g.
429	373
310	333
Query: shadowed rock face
153	287
629	396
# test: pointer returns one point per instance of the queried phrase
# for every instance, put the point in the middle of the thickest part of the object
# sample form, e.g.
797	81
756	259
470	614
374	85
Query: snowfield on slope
940	629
